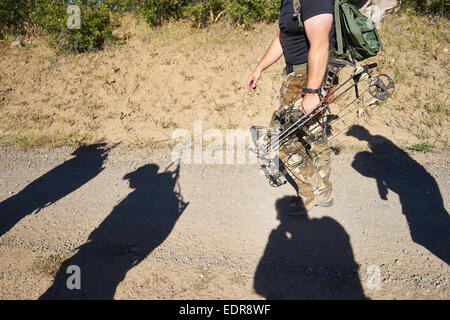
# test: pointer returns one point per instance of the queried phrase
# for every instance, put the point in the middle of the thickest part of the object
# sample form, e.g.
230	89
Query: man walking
305	37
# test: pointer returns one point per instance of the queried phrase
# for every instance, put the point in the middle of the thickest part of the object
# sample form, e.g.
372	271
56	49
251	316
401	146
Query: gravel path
138	231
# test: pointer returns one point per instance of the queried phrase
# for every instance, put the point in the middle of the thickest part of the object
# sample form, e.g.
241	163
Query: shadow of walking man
54	185
135	227
307	259
420	197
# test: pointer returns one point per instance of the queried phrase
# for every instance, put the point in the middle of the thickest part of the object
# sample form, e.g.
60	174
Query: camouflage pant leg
306	161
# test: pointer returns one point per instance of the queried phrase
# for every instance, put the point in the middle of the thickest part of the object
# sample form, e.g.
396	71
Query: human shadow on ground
135	227
54	185
307	259
420	197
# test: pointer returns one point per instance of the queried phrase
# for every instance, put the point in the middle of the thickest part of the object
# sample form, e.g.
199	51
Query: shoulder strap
297	11
337	22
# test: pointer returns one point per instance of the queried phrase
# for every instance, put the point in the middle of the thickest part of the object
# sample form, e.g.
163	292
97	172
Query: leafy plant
52	16
98	16
95	27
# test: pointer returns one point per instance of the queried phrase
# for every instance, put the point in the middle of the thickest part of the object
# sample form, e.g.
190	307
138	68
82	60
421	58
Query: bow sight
292	121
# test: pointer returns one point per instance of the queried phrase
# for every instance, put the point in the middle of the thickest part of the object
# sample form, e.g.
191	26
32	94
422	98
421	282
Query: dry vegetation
47	266
160	79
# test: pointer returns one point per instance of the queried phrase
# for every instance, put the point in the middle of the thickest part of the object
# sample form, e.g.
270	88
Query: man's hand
273	53
253	79
310	101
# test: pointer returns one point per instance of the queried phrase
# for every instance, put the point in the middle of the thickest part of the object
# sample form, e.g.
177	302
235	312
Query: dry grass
157	80
48	265
205	279
417	54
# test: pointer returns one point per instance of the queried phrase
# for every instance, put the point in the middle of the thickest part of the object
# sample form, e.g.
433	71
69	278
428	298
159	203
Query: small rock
16	44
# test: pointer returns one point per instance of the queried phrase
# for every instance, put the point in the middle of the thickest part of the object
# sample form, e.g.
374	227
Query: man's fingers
251	84
253	80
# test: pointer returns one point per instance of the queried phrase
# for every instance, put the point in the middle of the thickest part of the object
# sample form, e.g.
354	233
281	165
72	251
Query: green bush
51	16
13	15
98	16
203	12
158	11
247	11
273	10
96	25
244	12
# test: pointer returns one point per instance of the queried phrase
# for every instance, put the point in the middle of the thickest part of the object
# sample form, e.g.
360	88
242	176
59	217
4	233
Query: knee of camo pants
310	183
300	166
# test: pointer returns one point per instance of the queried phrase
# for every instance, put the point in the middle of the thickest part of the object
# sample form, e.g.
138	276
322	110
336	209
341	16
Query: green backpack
355	33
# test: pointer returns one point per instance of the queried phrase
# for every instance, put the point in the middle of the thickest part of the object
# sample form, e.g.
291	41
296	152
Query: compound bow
268	140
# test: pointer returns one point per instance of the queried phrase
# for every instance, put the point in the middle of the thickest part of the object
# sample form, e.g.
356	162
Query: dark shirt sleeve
311	8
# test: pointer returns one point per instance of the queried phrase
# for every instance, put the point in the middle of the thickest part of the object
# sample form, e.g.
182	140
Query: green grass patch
422	147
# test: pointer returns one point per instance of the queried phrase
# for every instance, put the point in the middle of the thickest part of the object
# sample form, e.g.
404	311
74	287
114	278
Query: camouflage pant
306	157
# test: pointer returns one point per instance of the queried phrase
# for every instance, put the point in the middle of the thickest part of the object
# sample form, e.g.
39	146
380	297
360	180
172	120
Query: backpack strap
297	12
338	25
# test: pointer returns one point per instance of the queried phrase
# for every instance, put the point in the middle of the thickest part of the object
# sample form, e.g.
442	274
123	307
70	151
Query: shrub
273	10
158	11
204	12
96	26
244	12
13	15
97	16
52	16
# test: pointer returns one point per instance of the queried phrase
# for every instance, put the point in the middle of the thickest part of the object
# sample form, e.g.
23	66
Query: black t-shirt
293	38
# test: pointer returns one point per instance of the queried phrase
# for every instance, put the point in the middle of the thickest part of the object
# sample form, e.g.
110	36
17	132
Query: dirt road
138	231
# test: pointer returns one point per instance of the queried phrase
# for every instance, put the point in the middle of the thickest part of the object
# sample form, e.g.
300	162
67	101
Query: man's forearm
273	53
317	65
